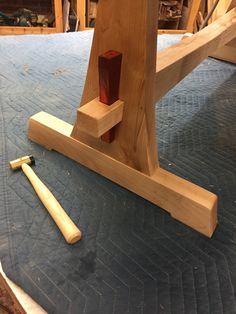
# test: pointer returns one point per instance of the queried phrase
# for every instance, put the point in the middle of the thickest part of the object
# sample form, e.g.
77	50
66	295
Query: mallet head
17	163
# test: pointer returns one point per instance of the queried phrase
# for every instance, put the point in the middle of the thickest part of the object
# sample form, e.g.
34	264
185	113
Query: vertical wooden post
195	6
58	15
132	32
81	9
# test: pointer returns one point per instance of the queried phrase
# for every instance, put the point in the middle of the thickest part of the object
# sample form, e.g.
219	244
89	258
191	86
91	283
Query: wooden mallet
69	230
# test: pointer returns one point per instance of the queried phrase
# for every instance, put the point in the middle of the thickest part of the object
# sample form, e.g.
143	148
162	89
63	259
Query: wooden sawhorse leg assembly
130	27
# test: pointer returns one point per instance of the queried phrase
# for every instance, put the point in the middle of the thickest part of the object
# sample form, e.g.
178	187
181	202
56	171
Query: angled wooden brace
228	51
129	27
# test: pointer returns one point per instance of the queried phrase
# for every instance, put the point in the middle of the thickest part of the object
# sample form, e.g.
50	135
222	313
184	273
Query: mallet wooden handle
69	230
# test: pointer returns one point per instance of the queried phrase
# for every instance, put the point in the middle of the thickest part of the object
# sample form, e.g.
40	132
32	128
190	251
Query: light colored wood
96	118
228	52
193	13
171	31
185	201
81	14
131	160
135	142
8	30
232	4
209	4
209	14
69	230
58	15
232	43
225	53
17	163
222	7
200	19
174	63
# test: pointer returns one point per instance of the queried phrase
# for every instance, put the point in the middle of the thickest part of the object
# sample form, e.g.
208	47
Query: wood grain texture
193	13
227	52
109	68
222	7
96	118
67	227
185	201
171	31
81	11
232	43
232	4
58	15
9	304
131	160
132	32
174	63
209	14
10	30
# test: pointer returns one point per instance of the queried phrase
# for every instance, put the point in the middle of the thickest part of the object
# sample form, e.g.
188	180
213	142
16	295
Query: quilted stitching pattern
133	257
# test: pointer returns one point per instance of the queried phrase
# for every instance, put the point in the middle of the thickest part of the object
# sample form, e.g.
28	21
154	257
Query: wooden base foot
185	201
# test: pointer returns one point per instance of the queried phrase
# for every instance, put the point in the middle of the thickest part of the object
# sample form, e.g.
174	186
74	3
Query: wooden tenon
109	67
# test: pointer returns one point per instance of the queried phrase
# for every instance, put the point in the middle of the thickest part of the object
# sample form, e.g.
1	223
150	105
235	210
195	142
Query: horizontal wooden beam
174	63
185	201
96	118
18	30
171	31
227	52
